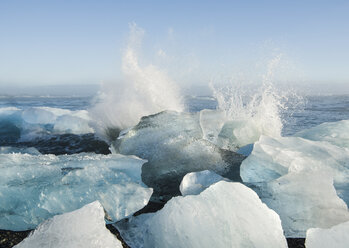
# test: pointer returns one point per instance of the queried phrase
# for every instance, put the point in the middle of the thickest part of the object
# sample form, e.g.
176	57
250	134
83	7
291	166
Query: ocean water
313	111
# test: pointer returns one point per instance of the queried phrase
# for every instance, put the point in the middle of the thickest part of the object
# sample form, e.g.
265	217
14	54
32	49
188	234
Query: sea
28	121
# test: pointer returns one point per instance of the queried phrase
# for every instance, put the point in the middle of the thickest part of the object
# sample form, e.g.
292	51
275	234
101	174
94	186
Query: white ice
334	237
83	228
194	183
226	214
36	187
304	200
296	178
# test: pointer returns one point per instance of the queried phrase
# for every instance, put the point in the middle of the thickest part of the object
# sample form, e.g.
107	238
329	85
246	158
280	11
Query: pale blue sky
81	41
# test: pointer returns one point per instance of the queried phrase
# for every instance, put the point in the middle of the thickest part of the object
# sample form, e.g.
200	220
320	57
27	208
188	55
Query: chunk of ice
173	144
295	176
274	157
36	187
83	228
226	214
304	200
336	133
335	237
195	182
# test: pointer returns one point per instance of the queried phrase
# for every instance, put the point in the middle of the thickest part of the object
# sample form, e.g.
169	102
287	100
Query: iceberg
34	188
336	237
226	214
83	228
195	182
173	144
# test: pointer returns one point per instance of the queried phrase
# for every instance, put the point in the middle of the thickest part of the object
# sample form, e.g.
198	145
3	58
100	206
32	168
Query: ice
37	122
246	150
36	187
38	116
250	114
336	133
211	122
336	237
8	110
72	124
274	157
296	178
173	144
226	214
83	228
195	182
304	200
28	150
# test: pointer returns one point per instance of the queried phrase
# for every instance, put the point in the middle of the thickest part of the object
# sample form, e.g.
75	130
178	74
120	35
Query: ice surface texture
335	237
336	133
294	176
36	187
173	144
35	122
83	228
195	182
226	214
274	157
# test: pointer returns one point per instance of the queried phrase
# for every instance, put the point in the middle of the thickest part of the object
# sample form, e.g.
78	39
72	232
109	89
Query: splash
250	113
144	90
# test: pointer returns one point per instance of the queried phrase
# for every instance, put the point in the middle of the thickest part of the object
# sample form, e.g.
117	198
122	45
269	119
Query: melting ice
37	187
224	215
83	228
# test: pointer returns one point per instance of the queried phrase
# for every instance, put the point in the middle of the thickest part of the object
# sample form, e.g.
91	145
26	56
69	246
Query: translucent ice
211	122
274	157
304	200
224	215
173	144
336	133
35	122
294	176
36	187
250	114
83	228
195	182
336	237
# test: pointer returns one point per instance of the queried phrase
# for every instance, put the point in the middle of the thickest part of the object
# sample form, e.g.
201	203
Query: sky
82	41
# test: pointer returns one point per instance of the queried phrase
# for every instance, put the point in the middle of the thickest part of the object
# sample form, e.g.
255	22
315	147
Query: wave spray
143	90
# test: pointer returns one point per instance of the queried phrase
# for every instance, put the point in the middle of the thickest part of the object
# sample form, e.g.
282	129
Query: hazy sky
81	41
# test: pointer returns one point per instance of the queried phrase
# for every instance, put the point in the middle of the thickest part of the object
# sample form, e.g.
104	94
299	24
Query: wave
143	90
